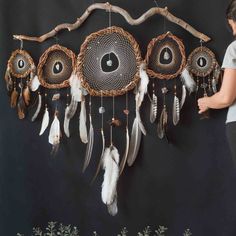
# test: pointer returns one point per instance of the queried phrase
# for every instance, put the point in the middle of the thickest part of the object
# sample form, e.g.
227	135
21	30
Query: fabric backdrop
190	183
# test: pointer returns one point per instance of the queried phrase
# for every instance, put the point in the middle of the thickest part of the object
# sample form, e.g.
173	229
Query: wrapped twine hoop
20	64
208	60
108	63
175	47
67	60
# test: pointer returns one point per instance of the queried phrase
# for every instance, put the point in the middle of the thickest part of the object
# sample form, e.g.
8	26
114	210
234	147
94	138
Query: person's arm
225	97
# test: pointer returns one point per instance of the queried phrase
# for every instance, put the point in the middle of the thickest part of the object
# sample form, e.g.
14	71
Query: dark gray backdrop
190	183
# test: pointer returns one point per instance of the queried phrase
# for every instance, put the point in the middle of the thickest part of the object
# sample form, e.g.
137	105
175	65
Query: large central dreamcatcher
166	60
109	64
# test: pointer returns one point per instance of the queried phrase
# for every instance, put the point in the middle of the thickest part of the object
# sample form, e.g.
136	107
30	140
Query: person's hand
202	104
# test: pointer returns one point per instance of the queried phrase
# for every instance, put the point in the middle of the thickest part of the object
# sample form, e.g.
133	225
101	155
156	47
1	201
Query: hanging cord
109	25
164	93
90	109
113	119
21	44
102	111
127	109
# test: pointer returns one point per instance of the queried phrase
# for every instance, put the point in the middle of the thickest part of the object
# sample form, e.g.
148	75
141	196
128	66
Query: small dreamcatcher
110	65
166	60
205	70
55	77
20	71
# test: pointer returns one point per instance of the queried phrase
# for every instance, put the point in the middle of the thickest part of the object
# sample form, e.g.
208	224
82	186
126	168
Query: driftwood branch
108	7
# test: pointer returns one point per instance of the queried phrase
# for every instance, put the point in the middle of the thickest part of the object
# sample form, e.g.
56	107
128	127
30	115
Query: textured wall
187	184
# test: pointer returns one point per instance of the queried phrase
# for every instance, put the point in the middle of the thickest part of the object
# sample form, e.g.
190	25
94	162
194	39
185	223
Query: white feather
54	133
90	143
38	108
183	98
153	108
76	89
45	121
35	83
188	81
143	84
134	142
111	175
112	208
67	122
140	123
124	159
82	123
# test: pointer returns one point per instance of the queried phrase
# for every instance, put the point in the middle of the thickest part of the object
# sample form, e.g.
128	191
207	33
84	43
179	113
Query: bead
101	110
164	90
109	63
126	112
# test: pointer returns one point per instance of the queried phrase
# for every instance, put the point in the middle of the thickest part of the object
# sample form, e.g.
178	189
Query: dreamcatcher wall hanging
206	72
20	71
166	60
109	65
57	82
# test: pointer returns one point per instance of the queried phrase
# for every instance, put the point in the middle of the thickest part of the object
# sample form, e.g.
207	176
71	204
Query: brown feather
7	76
21	108
26	95
14	97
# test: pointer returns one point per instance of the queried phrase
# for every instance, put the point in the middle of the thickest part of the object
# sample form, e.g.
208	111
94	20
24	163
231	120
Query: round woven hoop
191	61
181	49
43	60
81	58
29	60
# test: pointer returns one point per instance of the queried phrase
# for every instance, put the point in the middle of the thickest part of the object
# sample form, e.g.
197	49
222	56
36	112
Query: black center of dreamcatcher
21	64
201	62
57	68
109	62
166	56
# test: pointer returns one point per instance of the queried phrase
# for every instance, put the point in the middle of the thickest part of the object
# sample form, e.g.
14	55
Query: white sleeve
230	57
